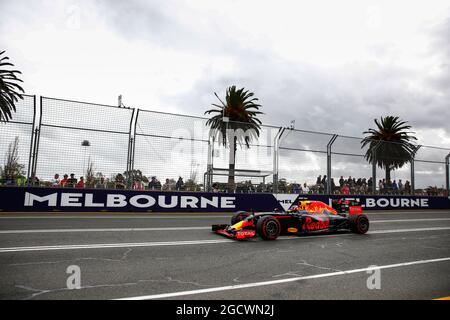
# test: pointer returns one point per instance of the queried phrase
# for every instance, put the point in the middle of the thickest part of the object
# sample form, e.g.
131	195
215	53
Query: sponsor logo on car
310	224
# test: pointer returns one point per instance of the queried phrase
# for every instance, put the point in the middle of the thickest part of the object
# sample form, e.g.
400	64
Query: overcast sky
332	66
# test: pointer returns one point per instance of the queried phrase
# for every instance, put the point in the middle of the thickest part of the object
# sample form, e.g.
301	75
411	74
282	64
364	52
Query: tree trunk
231	184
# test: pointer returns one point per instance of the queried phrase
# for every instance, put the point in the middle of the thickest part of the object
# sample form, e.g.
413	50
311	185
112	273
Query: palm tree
390	144
243	125
9	89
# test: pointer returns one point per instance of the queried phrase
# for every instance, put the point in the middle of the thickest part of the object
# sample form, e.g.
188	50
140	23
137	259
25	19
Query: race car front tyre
239	216
359	223
268	228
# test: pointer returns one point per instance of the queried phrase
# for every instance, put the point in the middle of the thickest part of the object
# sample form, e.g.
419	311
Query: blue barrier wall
25	199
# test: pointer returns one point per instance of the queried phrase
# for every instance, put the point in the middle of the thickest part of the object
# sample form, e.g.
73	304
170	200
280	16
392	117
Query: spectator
72	181
341	182
138	185
34	181
305	188
215	187
407	187
324	181
154	184
180	184
388	186
370	185
394	187
64	181
401	188
120	182
167	186
319	180
80	184
101	184
55	181
345	189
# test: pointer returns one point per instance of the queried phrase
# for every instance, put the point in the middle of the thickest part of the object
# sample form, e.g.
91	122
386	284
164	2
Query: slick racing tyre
359	223
268	228
239	216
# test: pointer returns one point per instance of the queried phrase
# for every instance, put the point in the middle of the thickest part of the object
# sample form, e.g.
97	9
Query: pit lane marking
281	281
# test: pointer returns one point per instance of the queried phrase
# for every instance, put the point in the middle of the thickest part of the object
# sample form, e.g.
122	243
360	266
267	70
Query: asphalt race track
177	257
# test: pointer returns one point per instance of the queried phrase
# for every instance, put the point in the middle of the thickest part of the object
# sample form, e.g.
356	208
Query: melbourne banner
24	199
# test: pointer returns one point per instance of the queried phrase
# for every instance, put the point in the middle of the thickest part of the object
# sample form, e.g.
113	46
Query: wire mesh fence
169	147
82	139
16	140
114	147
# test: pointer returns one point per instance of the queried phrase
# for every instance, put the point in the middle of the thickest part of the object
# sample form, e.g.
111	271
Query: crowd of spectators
345	186
119	182
362	186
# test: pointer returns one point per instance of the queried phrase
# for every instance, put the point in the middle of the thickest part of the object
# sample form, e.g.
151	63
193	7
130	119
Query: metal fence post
35	153
413	178
133	142
30	155
275	158
374	166
210	162
129	170
330	143
447	174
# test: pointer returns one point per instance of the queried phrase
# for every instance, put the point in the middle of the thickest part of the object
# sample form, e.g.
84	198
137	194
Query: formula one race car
305	218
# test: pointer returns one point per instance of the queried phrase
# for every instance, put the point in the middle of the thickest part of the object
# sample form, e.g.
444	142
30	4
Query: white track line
102	230
410	220
114	245
408	230
281	281
158	215
124	217
170	228
188	242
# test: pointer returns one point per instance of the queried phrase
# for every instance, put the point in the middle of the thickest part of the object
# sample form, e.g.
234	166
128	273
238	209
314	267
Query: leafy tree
9	88
12	168
389	144
242	111
90	174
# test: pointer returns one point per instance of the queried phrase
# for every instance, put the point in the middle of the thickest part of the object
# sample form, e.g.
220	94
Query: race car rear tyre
359	223
268	228
239	216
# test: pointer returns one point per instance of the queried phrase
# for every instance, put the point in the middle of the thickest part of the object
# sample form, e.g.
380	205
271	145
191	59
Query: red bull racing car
305	218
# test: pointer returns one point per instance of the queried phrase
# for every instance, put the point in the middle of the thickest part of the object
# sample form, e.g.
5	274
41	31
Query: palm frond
10	90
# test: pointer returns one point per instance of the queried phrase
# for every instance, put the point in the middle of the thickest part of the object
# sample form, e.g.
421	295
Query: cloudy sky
332	66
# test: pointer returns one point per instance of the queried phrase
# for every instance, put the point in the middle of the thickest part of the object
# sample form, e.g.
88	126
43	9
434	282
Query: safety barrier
29	199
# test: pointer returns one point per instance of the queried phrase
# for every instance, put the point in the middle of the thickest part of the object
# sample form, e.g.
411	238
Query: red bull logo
316	206
312	225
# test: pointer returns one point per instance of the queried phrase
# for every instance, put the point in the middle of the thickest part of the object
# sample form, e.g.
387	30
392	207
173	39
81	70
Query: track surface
159	256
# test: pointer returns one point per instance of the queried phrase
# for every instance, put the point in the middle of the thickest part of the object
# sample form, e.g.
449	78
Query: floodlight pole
413	178
330	143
